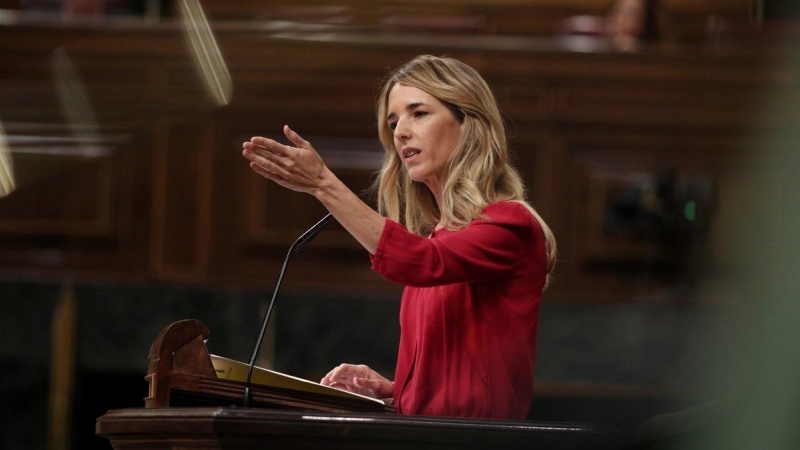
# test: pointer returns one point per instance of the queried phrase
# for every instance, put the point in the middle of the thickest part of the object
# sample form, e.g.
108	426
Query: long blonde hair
478	171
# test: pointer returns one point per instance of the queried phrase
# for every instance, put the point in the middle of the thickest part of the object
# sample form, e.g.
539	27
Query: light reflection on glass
75	102
206	52
7	183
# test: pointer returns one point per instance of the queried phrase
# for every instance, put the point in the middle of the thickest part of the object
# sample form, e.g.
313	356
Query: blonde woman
454	228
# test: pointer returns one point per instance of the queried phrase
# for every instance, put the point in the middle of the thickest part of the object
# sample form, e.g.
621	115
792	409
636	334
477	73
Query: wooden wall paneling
98	39
524	99
686	104
303	94
182	89
75	212
499	16
65	195
559	186
228	201
615	245
537	152
77	205
544	188
527	106
277	216
119	89
561	103
133	205
686	19
690	18
183	179
27	90
253	52
72	208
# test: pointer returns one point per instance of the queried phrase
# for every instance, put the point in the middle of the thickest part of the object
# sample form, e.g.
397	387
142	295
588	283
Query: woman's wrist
325	191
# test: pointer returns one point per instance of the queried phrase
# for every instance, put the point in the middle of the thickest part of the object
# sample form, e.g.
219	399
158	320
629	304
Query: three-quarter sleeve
489	248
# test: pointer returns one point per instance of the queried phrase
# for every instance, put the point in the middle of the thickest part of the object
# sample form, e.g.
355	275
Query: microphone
298	245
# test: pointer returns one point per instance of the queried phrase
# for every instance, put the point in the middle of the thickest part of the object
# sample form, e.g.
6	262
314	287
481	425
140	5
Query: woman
473	255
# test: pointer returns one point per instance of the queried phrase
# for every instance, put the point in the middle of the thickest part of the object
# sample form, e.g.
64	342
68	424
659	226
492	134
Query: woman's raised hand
298	168
359	379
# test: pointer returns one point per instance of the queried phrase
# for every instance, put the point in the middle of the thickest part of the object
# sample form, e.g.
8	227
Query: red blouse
468	315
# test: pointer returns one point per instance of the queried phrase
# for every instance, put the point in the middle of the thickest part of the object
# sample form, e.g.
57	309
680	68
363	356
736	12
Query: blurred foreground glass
756	277
206	52
7	183
75	103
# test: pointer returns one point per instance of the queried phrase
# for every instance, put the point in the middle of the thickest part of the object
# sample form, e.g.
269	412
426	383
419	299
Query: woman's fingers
332	375
295	138
269	165
267	149
274	167
266	173
359	379
298	168
365	384
269	154
378	388
270	145
342	373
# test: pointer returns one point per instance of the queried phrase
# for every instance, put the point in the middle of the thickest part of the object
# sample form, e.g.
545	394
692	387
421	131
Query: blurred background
659	140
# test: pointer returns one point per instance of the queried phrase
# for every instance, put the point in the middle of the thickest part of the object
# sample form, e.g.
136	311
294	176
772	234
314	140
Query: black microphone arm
298	245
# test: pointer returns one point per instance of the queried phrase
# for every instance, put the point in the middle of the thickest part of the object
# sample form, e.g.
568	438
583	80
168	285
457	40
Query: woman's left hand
359	379
297	168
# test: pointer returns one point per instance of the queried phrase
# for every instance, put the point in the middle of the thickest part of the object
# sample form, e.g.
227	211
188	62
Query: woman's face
425	134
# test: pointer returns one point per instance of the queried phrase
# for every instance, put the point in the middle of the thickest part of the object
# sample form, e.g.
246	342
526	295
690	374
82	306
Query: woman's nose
401	132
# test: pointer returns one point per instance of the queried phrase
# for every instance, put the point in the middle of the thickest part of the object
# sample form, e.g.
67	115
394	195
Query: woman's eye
393	125
420	113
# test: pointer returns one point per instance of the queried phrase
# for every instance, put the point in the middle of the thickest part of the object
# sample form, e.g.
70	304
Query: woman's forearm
358	218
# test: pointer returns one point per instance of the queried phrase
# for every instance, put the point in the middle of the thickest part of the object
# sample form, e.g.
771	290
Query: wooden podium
297	414
182	373
254	428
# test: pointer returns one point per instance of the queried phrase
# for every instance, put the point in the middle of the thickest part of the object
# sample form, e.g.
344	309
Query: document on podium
229	369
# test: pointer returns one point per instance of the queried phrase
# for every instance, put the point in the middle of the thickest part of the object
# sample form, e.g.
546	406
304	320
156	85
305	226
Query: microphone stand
298	245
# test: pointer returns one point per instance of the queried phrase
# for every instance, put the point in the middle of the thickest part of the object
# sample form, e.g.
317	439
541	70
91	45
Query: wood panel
60	195
173	200
508	17
254	428
75	203
183	179
638	210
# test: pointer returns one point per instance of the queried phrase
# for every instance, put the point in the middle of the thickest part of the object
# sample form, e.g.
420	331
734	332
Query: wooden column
62	370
